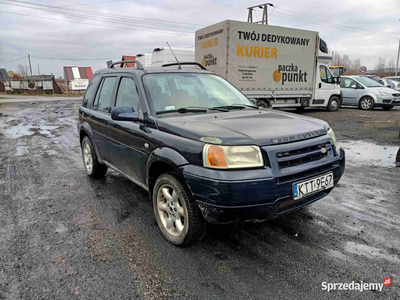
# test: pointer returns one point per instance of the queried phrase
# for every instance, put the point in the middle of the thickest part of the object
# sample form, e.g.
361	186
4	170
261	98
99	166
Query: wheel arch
85	130
162	160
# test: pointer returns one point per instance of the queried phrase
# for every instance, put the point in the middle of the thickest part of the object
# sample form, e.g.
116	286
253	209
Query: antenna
179	65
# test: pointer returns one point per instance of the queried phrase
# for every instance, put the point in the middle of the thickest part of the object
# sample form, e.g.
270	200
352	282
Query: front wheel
334	104
367	103
176	211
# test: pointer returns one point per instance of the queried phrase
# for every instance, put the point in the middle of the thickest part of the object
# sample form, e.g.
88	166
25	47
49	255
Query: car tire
176	211
366	103
93	168
334	104
387	107
263	104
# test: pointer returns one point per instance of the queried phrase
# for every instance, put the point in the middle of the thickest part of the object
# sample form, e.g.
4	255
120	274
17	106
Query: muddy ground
66	236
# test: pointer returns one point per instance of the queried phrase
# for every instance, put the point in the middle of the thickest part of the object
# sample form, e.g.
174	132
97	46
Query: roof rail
138	64
185	64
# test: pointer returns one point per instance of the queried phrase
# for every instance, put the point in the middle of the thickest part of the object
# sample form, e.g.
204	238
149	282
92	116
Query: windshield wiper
237	106
182	110
192	109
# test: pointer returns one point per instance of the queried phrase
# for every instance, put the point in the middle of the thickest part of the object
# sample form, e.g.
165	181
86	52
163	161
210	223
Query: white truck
164	55
145	59
276	66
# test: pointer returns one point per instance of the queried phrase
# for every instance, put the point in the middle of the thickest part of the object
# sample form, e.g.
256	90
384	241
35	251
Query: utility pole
30	66
264	7
397	64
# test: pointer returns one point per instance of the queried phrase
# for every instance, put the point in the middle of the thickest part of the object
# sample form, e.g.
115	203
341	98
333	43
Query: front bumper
252	195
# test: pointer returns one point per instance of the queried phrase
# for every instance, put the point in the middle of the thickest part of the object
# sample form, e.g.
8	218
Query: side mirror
337	79
254	101
124	113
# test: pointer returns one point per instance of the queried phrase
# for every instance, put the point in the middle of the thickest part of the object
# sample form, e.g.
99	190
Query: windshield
173	91
368	82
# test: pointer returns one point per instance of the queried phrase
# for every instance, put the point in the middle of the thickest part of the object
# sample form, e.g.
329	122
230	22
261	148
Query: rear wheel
387	107
334	104
367	103
92	166
176	211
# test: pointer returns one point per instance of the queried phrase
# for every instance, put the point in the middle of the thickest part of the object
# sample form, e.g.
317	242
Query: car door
100	114
350	91
126	139
325	84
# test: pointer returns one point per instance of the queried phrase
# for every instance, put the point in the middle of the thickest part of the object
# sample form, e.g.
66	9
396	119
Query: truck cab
327	90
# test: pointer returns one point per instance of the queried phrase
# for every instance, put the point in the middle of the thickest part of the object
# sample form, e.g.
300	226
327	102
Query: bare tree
23	70
390	67
380	66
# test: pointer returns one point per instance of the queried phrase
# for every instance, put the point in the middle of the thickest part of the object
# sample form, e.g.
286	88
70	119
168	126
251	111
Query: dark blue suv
203	151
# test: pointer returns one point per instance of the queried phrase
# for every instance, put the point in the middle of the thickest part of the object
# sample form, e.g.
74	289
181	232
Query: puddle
363	153
21	150
18	131
365	250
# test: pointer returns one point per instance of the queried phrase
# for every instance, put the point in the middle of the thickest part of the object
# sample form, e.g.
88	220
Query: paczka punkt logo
289	73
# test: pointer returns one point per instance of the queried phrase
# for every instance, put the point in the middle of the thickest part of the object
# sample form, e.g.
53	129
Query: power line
309	19
103	16
15	59
71	59
77	22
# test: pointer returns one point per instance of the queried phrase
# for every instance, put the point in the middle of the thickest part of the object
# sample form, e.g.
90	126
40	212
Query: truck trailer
276	66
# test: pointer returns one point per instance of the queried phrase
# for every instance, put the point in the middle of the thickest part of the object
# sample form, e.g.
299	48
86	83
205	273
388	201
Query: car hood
244	127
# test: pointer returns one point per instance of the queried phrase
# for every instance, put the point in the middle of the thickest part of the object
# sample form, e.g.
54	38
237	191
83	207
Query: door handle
320	85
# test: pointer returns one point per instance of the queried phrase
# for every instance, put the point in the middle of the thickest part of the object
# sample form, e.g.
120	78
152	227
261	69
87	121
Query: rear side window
90	90
127	94
103	97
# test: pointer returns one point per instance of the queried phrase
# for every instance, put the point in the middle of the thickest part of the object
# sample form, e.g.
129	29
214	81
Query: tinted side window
127	94
103	97
90	90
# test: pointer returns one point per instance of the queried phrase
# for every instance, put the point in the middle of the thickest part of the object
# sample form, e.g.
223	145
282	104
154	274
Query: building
3	77
77	78
36	84
127	65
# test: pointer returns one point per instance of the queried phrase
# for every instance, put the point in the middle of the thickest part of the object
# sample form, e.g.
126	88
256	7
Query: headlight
232	157
332	135
385	94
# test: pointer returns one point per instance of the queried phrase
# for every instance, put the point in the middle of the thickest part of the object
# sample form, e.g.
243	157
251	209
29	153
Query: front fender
85	127
166	155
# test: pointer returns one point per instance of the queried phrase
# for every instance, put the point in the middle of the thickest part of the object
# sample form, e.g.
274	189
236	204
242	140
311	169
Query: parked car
202	150
392	83
366	93
375	78
397	78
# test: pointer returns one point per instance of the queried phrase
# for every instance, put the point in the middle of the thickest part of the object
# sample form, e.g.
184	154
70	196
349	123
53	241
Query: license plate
311	186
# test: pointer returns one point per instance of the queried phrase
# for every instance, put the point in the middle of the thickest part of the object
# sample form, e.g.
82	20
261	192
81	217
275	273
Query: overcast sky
101	29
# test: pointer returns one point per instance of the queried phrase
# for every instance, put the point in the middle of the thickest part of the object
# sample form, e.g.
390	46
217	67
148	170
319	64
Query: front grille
305	174
301	156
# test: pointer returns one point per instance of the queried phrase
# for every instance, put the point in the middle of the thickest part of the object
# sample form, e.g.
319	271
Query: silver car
367	93
392	83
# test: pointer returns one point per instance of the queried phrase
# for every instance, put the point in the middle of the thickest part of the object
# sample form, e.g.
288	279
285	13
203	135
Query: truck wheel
367	103
263	104
334	104
387	107
176	211
93	168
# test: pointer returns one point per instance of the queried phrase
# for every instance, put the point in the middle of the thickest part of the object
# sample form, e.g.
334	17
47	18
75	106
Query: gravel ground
66	236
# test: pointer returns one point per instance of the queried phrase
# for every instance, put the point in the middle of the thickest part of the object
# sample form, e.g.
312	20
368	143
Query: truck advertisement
258	57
